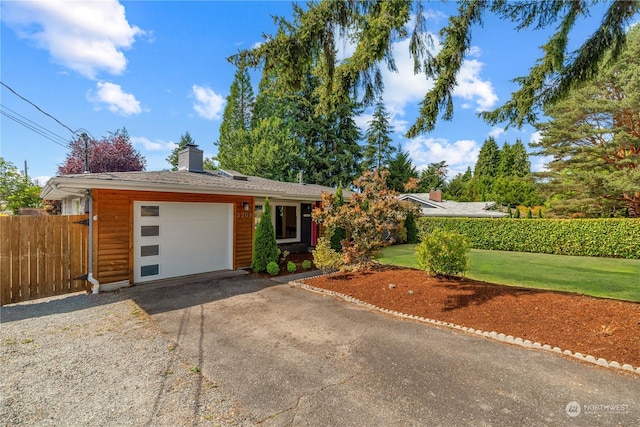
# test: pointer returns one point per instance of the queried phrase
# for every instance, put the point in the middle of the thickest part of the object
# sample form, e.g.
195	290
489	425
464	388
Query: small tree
114	153
265	247
509	211
443	253
367	216
16	190
529	214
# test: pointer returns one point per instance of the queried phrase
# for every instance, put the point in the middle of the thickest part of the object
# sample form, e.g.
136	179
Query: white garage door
177	239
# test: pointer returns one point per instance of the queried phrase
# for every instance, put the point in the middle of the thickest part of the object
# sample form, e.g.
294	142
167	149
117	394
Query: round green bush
291	267
306	264
443	253
272	268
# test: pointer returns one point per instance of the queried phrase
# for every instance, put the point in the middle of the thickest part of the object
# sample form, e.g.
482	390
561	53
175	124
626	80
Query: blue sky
160	69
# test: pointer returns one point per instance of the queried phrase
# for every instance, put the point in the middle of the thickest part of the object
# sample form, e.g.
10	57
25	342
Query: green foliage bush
291	267
607	237
338	235
326	258
306	264
273	268
412	229
443	252
265	247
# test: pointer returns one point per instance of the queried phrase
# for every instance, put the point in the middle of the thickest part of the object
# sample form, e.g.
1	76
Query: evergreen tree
265	247
379	150
594	140
401	169
373	26
234	141
521	163
507	159
488	160
433	177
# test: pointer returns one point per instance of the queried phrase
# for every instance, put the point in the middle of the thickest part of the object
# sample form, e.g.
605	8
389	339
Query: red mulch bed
592	326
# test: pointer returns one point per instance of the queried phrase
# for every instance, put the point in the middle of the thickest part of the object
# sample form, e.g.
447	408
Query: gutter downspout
96	285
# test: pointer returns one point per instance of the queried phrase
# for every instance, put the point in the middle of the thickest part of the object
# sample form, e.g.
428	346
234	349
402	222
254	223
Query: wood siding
113	236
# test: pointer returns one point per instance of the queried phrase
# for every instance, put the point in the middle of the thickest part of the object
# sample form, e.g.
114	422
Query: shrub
326	258
443	253
306	264
604	237
529	214
517	214
291	267
273	269
412	229
283	256
509	211
265	248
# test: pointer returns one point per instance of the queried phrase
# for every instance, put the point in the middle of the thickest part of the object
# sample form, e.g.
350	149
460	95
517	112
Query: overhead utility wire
38	108
52	135
33	128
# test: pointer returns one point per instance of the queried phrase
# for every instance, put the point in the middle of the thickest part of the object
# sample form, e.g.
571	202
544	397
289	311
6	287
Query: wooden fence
42	256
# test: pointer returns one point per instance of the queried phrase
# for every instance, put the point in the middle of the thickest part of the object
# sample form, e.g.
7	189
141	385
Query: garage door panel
190	238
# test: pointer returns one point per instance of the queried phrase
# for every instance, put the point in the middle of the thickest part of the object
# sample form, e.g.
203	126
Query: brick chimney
435	195
190	158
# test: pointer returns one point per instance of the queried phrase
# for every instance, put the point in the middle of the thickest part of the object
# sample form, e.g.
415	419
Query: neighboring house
155	225
432	204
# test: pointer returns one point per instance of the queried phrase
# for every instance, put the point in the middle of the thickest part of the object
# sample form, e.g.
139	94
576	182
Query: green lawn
601	277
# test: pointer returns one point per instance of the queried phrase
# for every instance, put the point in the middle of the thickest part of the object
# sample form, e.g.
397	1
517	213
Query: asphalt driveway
287	356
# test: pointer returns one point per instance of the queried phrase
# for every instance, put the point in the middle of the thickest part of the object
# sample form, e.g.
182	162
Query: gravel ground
99	360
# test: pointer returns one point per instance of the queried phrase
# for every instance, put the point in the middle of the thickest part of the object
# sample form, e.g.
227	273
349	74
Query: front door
305	224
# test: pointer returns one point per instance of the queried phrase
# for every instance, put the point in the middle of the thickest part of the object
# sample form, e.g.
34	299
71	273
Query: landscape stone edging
491	335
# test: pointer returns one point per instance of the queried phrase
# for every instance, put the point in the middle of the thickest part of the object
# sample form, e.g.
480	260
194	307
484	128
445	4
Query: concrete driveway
287	356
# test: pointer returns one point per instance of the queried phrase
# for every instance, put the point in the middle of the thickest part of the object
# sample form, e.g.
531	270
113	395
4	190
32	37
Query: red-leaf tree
113	153
367	216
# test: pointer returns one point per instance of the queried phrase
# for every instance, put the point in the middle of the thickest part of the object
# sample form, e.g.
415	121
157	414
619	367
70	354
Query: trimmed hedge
610	237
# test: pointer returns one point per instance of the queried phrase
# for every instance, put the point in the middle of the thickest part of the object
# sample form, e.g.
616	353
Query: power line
30	124
33	128
38	108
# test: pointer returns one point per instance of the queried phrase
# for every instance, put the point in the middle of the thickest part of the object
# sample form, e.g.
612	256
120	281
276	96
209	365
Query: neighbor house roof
450	208
207	182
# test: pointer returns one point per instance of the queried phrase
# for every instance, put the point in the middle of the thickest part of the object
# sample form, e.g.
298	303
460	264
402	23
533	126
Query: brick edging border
491	335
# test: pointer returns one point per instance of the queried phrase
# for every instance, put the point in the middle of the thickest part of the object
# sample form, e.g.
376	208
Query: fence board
15	262
40	256
23	237
5	262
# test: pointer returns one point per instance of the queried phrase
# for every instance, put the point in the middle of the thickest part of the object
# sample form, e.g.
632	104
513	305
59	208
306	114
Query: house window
149	230
286	219
149	210
149	270
149	250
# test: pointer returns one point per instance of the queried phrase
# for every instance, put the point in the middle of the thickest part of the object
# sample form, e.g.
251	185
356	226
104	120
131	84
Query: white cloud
458	155
208	104
149	145
87	37
115	99
535	137
470	86
496	132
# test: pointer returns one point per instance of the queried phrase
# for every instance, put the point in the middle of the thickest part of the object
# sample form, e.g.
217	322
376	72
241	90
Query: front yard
601	277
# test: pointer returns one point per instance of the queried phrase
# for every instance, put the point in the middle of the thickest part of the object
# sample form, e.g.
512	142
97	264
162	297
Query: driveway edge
491	335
